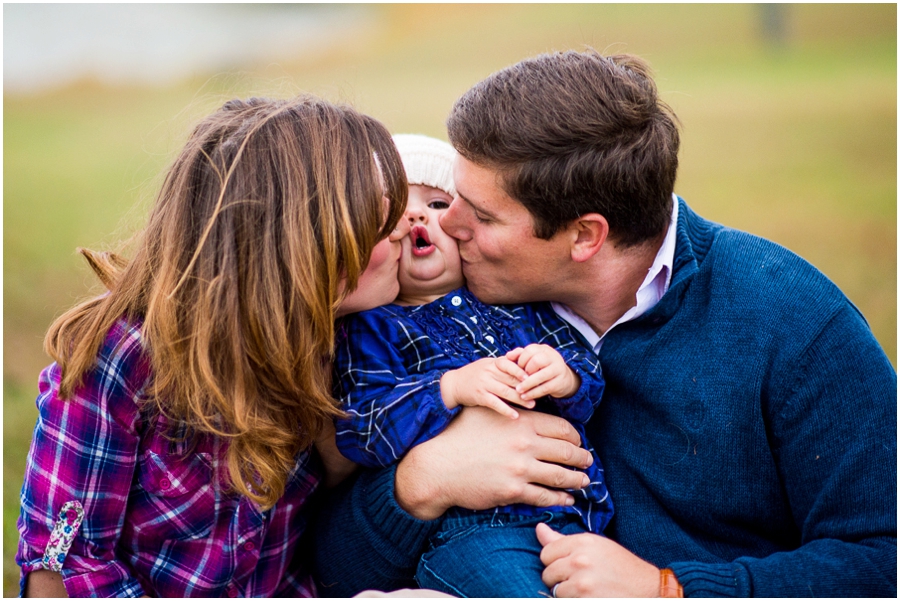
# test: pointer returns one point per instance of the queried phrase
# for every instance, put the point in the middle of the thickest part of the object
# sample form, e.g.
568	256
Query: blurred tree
773	24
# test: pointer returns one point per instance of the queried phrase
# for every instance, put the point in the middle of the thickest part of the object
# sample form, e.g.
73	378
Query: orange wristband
668	584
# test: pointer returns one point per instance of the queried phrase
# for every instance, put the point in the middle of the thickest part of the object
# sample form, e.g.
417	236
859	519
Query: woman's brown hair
236	278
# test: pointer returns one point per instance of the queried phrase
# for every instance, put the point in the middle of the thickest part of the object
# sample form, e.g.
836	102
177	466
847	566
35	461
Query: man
748	429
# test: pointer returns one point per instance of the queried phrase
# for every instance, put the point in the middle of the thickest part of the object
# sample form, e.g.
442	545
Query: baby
404	370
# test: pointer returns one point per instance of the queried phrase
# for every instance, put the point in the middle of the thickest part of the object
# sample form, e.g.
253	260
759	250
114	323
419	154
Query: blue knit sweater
748	434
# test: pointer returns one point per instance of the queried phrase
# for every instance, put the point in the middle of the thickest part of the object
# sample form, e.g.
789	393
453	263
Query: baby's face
429	261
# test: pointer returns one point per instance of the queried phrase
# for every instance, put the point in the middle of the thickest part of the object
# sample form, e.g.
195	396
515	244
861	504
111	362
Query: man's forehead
479	186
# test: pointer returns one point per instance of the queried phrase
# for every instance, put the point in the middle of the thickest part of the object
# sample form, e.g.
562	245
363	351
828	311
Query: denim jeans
496	555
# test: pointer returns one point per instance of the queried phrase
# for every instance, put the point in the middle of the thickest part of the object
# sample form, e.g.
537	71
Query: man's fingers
508	393
514	398
559	568
557	476
557	572
547	535
553	555
492	402
517	400
562	452
553	427
539	496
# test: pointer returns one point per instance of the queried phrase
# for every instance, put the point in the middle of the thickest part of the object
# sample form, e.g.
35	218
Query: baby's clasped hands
547	372
521	376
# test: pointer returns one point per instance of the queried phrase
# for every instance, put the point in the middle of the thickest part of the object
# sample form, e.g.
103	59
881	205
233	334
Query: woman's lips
421	243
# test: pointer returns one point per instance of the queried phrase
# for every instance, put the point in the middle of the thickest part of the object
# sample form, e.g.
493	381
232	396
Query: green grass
795	143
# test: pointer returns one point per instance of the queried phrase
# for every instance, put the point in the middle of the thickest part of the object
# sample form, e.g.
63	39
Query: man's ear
590	233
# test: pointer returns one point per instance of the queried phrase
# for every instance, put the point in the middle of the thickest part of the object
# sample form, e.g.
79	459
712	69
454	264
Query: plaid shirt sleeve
390	410
83	457
551	330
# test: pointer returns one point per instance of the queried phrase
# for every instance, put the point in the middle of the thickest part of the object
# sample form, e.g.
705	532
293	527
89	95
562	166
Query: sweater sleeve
386	542
832	419
388	409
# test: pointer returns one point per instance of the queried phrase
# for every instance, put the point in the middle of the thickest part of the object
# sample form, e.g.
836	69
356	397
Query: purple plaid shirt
121	510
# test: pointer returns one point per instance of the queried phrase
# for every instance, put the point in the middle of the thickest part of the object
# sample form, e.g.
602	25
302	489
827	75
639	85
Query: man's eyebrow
473	205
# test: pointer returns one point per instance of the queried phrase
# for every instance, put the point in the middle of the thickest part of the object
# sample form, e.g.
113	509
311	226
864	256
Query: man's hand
547	372
588	565
487	383
485	460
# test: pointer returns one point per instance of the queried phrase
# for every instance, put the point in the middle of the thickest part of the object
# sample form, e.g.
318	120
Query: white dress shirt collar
654	286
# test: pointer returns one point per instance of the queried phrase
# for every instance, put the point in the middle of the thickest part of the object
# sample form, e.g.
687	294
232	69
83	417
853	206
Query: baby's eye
438	204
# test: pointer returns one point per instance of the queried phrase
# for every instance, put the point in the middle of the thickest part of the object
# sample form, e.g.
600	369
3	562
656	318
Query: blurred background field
789	121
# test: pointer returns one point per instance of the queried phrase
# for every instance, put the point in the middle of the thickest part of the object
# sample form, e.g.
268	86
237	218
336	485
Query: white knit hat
428	161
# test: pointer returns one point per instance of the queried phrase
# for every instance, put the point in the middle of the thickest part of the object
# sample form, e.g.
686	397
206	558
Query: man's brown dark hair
574	133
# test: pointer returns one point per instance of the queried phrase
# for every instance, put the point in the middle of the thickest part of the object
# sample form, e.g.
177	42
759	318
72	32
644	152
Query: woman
173	452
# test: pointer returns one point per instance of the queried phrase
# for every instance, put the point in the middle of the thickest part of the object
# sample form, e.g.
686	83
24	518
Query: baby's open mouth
421	243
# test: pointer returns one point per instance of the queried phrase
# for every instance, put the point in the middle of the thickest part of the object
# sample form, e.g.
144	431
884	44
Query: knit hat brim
428	161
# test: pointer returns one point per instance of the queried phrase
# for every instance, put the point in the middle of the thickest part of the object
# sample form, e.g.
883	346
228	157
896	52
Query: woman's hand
337	467
589	565
485	460
45	584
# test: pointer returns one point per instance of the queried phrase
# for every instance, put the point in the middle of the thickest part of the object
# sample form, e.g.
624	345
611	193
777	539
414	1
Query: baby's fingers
524	355
507	392
492	402
553	388
535	357
531	387
542	358
513	355
507	366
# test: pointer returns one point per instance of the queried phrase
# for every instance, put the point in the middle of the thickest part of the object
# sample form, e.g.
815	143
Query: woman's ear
590	232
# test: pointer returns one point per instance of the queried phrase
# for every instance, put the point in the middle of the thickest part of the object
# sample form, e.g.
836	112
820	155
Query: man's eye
481	219
439	205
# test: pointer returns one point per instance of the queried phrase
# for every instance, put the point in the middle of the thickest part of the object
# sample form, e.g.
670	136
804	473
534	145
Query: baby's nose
414	215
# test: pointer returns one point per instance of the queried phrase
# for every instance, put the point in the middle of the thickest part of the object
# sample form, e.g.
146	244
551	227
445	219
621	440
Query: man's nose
450	221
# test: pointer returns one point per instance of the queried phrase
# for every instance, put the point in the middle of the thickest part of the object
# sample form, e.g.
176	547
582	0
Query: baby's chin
435	270
442	284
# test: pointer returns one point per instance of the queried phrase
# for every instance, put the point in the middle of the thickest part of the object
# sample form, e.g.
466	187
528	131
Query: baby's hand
547	372
487	382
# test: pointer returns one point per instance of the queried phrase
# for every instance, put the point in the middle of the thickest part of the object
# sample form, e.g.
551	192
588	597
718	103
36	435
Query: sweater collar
694	237
683	250
652	289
